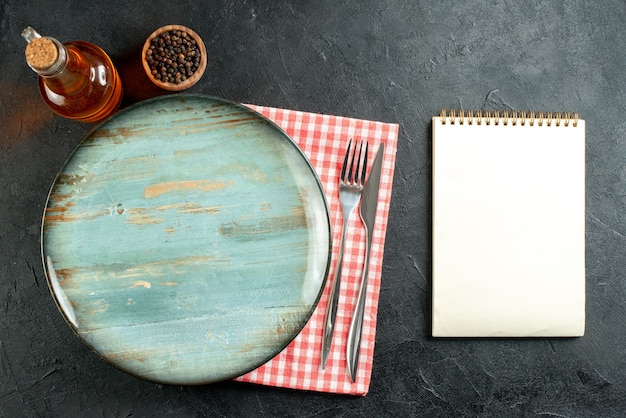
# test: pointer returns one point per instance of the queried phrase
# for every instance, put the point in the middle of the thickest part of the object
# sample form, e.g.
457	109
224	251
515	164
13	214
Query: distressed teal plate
186	240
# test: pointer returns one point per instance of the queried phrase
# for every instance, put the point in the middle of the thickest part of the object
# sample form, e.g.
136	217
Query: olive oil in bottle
77	79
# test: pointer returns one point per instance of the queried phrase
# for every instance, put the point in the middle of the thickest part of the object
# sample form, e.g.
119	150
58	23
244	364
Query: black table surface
386	60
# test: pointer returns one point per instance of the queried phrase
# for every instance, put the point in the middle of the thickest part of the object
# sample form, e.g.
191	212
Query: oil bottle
77	79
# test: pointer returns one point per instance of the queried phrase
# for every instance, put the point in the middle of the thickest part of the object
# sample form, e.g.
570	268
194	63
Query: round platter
186	240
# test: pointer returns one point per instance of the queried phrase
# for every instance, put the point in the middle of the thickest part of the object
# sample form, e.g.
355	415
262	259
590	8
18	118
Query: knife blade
367	210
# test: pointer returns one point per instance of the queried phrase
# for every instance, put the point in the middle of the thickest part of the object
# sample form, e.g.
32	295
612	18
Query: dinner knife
369	202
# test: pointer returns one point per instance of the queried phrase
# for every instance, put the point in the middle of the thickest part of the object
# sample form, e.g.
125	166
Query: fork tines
356	173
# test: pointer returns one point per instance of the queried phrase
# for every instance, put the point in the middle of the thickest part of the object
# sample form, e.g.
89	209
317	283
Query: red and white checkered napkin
324	140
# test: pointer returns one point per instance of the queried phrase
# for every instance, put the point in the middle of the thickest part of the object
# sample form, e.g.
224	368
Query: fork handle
331	309
353	346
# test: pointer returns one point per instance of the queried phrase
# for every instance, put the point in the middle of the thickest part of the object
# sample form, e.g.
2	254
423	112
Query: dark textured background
393	61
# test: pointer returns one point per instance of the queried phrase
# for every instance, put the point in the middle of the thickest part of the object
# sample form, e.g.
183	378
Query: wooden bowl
190	80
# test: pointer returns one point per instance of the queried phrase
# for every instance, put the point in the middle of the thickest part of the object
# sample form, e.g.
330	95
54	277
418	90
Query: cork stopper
41	53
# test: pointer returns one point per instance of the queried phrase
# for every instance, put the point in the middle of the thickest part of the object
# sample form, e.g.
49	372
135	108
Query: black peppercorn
173	56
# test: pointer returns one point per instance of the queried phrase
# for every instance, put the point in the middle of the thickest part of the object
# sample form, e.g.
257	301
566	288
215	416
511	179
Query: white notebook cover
508	229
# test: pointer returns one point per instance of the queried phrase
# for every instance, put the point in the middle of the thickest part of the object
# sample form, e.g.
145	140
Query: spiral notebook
508	224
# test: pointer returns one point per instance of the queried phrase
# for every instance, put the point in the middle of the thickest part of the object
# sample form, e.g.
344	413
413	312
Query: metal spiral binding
506	118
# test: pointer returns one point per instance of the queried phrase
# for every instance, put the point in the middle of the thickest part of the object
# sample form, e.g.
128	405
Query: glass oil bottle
77	79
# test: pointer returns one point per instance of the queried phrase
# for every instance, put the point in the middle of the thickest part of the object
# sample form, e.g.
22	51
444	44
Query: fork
350	189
